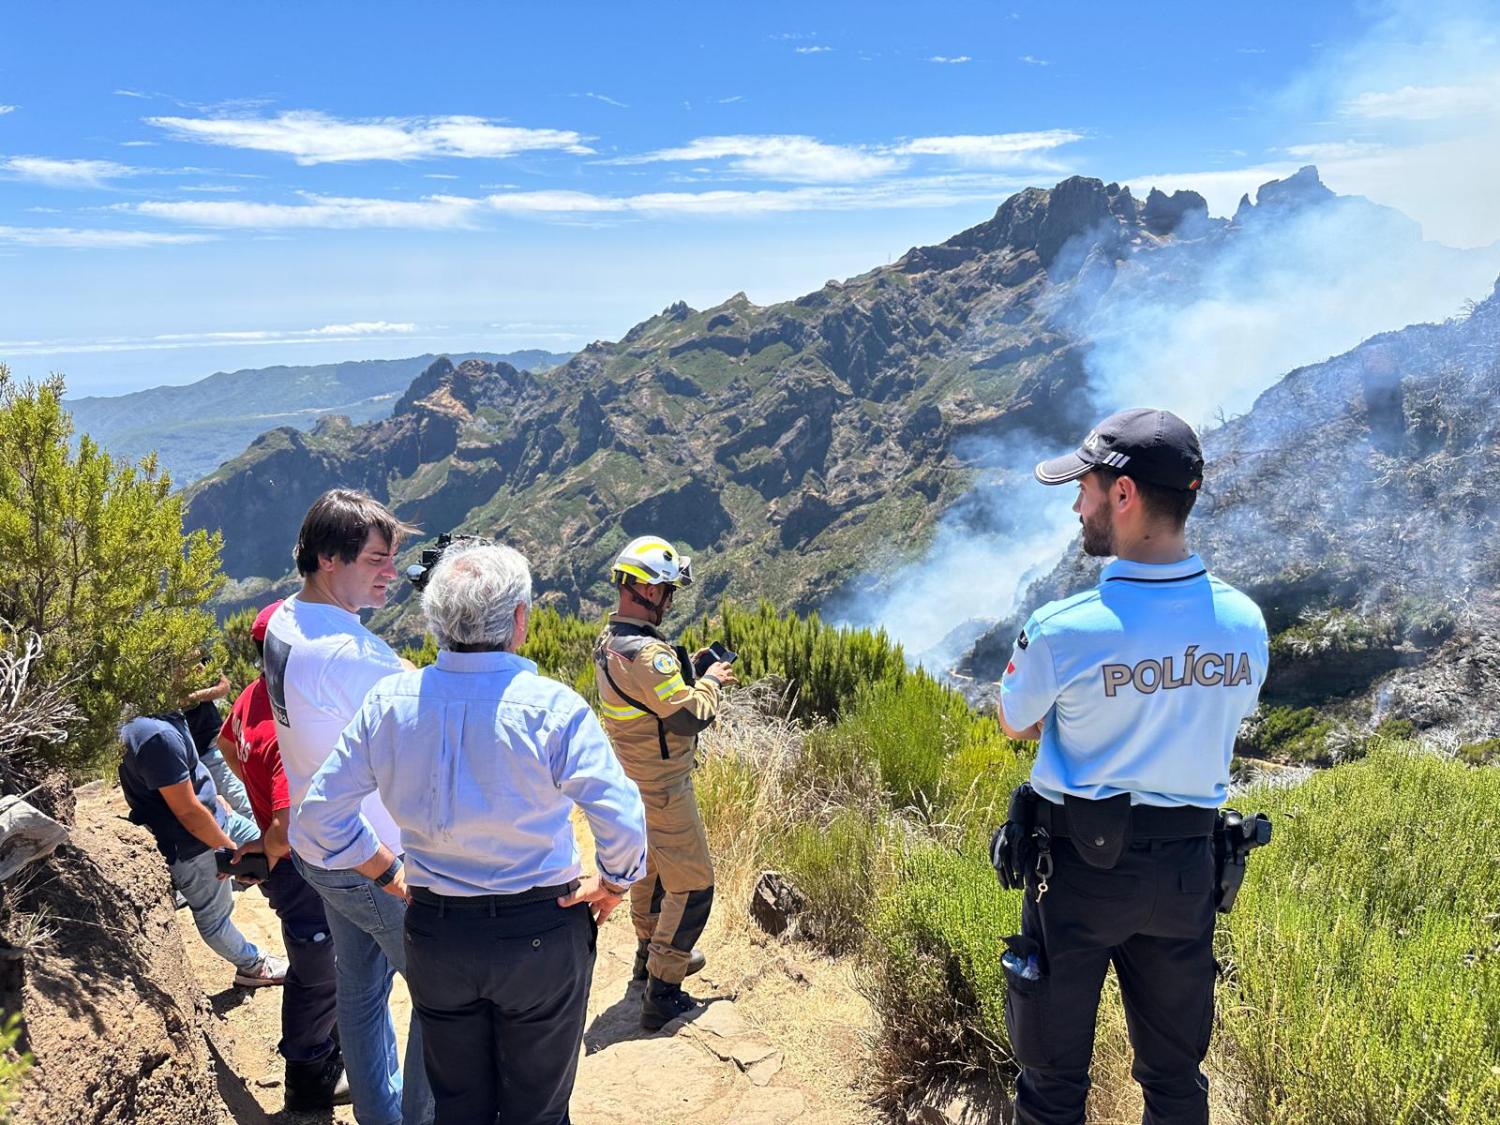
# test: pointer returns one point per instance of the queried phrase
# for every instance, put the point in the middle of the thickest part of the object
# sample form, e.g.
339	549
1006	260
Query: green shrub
96	564
1297	734
1365	949
14	1065
837	865
824	666
1480	753
934	957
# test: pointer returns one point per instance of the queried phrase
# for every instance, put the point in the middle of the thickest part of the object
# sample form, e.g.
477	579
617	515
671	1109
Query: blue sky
186	188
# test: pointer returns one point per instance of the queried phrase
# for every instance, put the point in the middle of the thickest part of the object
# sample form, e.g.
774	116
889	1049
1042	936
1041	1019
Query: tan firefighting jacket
651	705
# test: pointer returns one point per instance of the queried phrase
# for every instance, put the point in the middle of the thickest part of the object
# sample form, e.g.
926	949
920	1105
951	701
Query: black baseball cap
1153	446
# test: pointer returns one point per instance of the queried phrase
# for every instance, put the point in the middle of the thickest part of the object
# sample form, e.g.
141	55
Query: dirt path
785	1041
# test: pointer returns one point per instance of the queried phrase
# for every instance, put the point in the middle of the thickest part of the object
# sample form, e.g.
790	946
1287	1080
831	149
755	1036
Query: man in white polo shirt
320	661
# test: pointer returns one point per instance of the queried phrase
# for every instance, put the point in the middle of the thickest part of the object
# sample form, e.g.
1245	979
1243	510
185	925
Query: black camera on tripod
418	573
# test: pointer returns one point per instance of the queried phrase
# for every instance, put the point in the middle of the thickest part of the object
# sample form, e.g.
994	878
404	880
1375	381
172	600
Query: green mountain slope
197	426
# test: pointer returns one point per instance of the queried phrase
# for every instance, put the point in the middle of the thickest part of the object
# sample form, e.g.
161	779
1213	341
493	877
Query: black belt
1147	822
490	903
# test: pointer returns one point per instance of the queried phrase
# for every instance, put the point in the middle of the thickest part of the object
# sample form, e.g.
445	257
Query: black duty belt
488	904
1147	822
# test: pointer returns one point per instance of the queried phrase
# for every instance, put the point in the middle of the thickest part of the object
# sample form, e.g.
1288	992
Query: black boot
662	1002
317	1085
696	960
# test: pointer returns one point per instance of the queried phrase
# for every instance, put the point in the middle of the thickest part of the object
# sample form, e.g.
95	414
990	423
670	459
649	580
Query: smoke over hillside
1199	325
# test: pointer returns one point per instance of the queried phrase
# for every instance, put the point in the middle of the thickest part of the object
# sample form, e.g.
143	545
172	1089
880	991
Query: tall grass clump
1366	949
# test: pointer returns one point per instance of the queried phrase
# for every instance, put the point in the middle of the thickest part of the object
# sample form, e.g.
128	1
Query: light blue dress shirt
479	760
1140	684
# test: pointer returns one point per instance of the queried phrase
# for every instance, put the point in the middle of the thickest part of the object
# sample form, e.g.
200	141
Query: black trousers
308	1015
501	985
1152	916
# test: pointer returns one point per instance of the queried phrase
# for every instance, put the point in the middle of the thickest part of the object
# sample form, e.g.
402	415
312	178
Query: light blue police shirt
480	761
1140	684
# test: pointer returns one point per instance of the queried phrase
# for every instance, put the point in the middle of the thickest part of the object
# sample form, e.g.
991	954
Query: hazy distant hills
197	426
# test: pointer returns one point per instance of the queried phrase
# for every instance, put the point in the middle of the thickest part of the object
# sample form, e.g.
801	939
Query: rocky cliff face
792	447
1358	504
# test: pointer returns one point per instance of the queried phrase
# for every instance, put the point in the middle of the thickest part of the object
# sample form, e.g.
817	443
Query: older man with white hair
479	760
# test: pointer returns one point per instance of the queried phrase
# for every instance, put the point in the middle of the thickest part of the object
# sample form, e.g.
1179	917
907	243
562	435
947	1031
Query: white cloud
801	159
1032	60
130	94
1425	103
1331	150
437	212
991	149
63	173
606	99
310	137
93	239
812	50
731	99
172	341
780	157
138	144
464	213
951	59
4	109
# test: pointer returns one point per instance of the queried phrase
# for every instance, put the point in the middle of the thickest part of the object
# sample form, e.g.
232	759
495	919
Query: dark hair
1161	502
339	522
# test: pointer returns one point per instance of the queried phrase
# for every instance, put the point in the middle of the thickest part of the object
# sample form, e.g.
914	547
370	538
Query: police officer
653	707
1136	689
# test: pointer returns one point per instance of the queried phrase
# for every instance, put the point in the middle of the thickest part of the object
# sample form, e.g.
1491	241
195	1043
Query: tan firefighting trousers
670	905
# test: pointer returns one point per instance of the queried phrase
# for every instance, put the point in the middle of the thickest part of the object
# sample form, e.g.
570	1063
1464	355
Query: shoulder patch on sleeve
664	663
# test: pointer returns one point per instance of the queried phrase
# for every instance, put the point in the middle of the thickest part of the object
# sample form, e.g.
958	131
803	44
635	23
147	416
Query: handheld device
722	653
253	865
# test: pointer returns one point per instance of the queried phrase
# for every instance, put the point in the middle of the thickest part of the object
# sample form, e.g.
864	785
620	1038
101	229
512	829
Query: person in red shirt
314	1066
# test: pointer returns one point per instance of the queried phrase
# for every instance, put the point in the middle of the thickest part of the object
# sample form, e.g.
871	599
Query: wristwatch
385	878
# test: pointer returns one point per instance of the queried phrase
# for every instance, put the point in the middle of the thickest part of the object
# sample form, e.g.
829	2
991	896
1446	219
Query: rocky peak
1297	190
1045	221
466	386
1165	213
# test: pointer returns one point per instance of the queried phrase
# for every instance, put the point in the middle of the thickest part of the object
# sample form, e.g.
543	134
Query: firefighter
653	706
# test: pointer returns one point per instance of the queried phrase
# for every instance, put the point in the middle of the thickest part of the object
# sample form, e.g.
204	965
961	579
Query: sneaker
317	1085
696	961
663	1001
268	970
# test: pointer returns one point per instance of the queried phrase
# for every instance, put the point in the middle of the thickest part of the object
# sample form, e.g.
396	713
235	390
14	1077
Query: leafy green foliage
96	564
14	1065
1365	949
824	666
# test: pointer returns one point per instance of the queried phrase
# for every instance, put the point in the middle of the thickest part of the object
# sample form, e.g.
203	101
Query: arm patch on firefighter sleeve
664	664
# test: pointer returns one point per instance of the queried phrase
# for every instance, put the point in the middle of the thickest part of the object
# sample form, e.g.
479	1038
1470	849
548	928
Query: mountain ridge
194	427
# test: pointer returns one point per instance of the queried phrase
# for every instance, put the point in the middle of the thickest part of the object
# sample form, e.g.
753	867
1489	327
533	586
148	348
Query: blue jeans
211	899
367	928
230	787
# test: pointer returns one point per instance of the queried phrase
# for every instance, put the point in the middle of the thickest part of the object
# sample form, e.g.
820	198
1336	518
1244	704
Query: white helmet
652	562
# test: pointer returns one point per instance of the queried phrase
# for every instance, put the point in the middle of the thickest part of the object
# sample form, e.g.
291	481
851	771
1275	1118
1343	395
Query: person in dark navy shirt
1135	690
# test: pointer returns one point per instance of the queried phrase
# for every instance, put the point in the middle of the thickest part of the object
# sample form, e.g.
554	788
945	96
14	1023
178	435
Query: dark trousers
308	997
501	987
1152	916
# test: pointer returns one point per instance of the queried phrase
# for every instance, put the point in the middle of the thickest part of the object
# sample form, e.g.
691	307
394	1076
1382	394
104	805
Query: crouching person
480	760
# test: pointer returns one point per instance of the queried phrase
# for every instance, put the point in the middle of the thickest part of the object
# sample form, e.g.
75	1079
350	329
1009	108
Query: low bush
1366	951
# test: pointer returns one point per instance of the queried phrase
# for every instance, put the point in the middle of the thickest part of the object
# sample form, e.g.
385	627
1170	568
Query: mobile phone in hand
253	865
722	653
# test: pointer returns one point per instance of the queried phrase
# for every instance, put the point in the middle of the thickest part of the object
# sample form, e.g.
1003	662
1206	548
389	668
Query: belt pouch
1100	830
